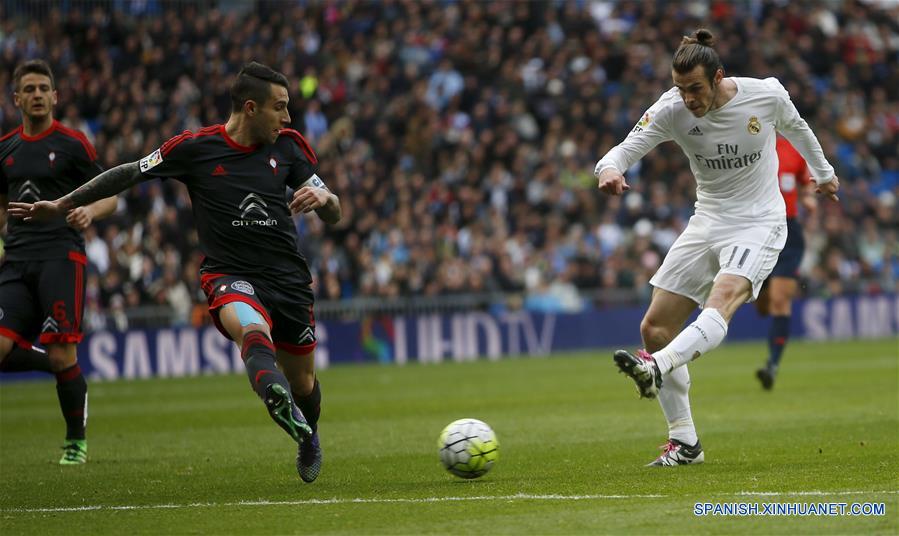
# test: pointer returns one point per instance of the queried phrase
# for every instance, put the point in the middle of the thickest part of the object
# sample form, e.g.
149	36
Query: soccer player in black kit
42	275
257	283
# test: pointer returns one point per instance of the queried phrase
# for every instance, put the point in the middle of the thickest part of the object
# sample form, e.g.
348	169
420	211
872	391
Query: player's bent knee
61	356
261	329
302	383
299	369
780	307
655	336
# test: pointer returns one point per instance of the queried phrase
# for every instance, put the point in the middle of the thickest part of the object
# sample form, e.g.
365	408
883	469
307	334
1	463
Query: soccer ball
468	448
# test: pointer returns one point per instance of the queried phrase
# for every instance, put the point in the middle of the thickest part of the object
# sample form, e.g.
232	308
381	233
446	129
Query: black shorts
791	255
287	309
42	299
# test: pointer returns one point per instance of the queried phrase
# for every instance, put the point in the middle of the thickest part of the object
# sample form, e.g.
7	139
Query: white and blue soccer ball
468	448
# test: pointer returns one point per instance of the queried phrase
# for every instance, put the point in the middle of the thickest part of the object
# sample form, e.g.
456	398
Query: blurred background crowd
461	135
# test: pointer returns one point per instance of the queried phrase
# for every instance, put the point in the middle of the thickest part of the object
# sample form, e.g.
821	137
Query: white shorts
709	247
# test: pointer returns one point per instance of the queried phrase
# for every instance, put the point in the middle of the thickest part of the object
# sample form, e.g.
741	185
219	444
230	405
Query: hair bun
704	37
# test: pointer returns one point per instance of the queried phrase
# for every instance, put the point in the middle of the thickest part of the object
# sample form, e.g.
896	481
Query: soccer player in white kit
727	128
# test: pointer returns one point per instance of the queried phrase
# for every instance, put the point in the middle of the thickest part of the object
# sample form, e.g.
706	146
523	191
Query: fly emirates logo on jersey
729	158
254	212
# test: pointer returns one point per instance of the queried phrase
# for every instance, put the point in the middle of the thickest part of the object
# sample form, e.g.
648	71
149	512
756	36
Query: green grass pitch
200	456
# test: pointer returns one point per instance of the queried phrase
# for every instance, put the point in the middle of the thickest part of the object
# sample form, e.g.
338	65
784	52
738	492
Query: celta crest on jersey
243	286
253	212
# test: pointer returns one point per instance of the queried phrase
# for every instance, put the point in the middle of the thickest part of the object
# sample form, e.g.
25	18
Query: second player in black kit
42	273
51	253
257	283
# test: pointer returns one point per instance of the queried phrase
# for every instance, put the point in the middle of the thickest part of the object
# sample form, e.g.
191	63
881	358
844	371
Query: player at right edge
727	127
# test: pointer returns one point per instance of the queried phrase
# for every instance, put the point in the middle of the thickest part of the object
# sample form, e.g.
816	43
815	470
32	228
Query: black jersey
239	198
44	167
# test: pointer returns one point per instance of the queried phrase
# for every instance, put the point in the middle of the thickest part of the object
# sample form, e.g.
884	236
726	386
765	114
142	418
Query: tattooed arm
106	184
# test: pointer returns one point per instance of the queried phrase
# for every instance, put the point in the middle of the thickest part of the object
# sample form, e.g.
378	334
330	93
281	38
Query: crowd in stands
461	135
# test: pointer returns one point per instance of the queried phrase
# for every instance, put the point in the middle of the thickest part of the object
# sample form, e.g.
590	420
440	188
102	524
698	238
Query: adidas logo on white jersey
695	131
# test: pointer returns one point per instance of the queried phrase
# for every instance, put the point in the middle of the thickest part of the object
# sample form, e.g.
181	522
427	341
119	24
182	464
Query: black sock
310	405
26	360
258	354
777	339
71	388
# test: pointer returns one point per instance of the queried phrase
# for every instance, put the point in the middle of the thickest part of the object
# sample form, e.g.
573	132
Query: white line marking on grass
806	493
335	500
360	500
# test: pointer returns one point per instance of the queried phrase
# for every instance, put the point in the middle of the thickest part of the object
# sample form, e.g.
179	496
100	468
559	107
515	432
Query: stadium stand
461	137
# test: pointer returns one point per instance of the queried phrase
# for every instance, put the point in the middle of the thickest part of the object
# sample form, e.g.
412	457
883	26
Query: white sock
703	335
675	401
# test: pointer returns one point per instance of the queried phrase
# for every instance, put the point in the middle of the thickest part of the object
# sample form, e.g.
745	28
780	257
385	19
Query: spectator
461	137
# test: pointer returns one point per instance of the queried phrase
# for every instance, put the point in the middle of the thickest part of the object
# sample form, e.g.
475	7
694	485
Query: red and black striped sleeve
172	158
85	163
304	162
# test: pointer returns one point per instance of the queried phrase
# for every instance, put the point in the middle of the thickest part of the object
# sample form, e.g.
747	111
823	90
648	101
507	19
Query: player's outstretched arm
796	130
106	184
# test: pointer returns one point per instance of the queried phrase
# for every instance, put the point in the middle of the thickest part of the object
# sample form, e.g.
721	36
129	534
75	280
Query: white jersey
731	149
